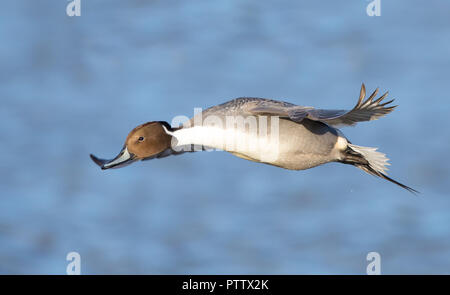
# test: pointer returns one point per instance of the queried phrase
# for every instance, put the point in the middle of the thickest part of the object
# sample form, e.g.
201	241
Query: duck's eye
141	138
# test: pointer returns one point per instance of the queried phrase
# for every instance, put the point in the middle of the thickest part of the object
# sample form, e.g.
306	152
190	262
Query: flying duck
266	131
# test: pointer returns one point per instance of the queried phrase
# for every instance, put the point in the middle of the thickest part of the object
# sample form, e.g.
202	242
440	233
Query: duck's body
267	131
275	141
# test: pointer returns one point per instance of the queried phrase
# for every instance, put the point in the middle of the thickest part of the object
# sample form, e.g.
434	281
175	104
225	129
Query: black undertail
353	158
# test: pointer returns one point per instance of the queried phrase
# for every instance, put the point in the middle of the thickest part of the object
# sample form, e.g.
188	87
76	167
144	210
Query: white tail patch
378	161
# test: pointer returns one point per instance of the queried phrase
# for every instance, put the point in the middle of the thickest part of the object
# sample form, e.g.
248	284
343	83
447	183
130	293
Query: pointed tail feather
372	162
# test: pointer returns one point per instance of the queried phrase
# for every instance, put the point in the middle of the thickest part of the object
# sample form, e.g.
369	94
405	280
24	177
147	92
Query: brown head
144	141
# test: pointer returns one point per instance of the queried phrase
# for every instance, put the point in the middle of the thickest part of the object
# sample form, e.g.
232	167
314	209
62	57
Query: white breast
257	144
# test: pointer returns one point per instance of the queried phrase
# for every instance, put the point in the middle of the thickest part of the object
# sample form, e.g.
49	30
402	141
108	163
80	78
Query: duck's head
145	141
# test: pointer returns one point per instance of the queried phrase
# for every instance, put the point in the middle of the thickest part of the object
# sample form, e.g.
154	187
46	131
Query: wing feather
364	110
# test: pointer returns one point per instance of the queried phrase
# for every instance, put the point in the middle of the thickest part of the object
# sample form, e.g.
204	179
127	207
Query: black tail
357	159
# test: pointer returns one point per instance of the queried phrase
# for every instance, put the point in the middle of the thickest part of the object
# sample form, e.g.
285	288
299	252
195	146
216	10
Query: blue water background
74	86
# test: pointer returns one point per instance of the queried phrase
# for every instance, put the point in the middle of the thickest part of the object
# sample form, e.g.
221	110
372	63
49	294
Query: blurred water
72	86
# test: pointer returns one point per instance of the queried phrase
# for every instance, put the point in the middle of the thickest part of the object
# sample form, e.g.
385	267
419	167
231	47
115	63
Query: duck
266	131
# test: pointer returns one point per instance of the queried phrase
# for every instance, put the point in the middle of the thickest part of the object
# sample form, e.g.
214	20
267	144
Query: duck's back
238	106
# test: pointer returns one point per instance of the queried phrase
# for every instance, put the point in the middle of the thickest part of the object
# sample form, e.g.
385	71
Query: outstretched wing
365	110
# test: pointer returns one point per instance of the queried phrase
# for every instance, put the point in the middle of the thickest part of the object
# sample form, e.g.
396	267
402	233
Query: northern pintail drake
266	131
